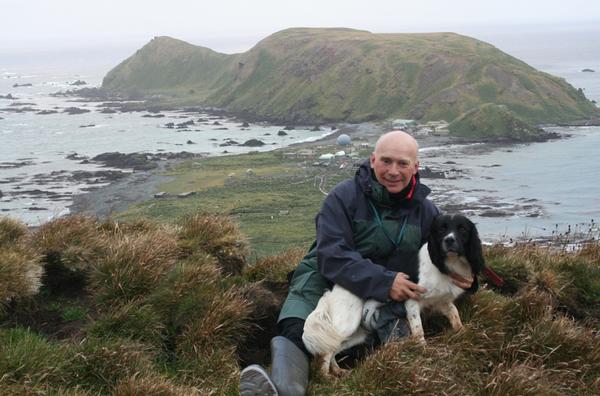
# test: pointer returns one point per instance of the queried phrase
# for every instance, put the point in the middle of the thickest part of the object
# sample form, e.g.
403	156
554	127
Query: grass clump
275	269
132	267
20	275
73	241
152	386
20	268
156	313
11	231
217	235
29	359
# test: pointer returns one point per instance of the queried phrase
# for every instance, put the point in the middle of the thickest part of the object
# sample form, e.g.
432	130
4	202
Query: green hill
495	122
319	75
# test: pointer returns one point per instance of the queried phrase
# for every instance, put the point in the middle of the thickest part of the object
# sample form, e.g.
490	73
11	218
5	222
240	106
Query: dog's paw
339	372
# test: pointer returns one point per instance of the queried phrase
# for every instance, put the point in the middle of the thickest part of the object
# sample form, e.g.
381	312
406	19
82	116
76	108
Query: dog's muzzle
450	244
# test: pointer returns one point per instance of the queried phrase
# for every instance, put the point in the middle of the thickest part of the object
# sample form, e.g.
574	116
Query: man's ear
416	168
372	159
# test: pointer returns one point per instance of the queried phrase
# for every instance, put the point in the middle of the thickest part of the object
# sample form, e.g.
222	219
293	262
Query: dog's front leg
449	310
413	314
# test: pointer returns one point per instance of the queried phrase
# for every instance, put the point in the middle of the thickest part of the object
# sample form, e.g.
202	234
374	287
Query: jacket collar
380	195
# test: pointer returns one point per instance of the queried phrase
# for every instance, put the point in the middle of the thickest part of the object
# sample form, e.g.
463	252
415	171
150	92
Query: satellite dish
344	140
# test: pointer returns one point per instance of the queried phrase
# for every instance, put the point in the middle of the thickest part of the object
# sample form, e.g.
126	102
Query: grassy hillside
319	75
144	308
166	66
495	122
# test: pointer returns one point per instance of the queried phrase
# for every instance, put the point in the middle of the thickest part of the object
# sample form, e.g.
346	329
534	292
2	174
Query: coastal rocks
253	143
183	125
588	71
22	85
46	112
19	109
76	157
137	161
428	173
107	110
13	165
78	82
9	97
75	110
281	133
229	142
87	126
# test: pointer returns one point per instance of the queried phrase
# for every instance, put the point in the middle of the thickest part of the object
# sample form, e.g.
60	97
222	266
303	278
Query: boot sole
254	381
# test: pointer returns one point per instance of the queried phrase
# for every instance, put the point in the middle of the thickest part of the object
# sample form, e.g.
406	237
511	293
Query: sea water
523	190
34	167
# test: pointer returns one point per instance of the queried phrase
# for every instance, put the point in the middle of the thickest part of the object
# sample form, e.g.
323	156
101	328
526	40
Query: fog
236	25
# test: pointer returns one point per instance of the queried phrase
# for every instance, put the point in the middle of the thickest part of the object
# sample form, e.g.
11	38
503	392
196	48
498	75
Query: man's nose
394	169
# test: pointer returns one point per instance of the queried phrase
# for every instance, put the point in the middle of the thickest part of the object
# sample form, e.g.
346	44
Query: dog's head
455	235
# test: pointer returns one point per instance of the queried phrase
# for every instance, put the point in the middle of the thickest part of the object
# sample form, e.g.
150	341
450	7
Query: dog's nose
450	243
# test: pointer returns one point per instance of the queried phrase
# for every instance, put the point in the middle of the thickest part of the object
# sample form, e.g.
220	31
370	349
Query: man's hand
402	289
461	282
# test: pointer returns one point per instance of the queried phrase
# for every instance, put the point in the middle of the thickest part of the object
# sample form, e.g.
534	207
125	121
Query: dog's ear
434	247
474	251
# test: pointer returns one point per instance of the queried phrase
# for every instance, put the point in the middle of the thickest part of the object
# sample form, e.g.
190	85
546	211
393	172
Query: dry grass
151	386
274	269
11	231
101	364
131	267
136	320
217	235
73	242
166	316
20	274
223	323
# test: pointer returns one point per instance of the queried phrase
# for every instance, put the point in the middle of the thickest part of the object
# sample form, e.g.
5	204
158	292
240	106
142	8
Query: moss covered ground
273	199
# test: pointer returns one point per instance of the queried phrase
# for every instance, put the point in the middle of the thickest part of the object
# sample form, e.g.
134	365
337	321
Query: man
369	232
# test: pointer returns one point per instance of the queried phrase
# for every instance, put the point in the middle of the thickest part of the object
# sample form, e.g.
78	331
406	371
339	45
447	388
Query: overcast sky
235	25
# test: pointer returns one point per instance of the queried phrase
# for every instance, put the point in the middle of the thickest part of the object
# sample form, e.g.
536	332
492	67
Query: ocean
516	191
40	153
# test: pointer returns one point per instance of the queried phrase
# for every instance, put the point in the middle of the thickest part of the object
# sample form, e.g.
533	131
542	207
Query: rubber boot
289	372
289	367
255	381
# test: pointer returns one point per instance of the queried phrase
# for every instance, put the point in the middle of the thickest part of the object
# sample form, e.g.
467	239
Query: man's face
394	166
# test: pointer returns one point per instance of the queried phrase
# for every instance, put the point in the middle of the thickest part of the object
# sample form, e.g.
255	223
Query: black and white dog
335	324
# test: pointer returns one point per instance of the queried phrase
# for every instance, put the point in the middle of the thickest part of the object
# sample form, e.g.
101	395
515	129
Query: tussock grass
20	269
132	267
137	320
151	386
223	323
11	231
20	274
161	311
275	269
73	241
217	235
102	363
29	359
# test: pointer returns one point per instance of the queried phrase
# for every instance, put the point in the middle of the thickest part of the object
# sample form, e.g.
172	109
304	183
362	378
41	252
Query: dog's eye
462	229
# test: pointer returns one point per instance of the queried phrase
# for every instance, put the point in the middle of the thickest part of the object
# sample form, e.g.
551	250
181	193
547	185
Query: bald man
369	232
